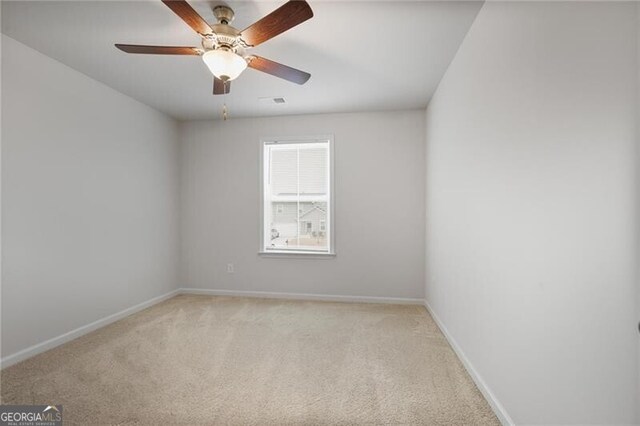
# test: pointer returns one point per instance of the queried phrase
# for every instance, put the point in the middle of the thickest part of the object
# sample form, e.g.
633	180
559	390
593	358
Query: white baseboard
496	406
303	296
74	334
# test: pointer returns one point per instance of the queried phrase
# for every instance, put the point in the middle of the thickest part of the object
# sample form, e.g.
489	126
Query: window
297	204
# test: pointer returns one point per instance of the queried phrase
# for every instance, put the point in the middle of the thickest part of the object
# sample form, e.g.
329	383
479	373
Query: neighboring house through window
297	202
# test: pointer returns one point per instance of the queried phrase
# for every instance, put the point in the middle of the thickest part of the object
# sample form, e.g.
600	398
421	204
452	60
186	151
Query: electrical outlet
230	268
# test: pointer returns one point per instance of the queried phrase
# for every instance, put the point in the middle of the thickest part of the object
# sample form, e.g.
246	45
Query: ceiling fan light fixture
224	64
224	47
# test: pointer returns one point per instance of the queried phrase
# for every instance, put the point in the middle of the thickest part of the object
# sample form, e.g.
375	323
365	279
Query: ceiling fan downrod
224	14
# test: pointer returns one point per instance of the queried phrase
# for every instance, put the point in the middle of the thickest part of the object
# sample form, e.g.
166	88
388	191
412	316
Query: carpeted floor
222	360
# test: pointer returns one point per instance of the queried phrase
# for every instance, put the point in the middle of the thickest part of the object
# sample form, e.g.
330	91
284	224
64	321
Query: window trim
331	211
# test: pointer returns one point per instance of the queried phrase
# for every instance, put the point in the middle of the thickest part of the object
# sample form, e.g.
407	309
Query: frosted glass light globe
224	64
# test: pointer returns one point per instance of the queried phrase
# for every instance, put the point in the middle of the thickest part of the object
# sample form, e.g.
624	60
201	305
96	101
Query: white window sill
296	254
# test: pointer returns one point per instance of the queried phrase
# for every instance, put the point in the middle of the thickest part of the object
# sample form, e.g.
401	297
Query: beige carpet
222	360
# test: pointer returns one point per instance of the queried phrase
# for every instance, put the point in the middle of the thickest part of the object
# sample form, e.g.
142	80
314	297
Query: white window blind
296	189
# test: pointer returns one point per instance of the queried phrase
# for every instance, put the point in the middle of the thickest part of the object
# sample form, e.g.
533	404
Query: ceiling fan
224	48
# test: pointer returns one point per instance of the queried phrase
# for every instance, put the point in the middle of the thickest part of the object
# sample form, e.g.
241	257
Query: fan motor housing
224	36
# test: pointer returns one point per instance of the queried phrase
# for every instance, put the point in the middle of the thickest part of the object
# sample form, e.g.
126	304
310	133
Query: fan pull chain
224	106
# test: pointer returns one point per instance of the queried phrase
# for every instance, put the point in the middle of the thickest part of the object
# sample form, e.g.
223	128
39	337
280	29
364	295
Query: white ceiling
363	56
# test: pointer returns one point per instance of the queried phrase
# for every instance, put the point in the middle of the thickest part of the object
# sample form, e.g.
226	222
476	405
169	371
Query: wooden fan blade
219	87
280	20
279	70
159	50
190	16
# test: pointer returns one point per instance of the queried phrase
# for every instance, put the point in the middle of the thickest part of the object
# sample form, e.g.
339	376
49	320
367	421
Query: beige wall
379	198
531	258
89	200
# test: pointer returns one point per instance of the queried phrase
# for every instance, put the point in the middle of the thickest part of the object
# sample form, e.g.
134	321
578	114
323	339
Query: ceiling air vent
271	101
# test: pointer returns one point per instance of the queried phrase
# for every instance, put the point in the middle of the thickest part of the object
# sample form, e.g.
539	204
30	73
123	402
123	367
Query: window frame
262	250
